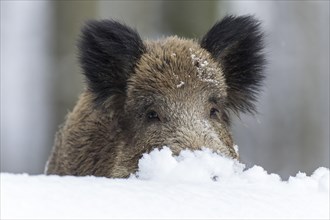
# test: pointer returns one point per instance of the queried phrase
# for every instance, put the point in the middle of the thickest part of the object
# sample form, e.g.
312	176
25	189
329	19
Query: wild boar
142	95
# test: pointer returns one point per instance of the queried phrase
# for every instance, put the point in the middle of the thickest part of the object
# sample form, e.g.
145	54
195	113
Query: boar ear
108	52
237	44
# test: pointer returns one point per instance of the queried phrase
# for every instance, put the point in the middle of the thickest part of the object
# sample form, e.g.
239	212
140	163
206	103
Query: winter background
40	83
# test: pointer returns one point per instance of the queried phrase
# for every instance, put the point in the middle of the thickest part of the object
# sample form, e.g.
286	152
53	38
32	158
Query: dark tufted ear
237	44
108	52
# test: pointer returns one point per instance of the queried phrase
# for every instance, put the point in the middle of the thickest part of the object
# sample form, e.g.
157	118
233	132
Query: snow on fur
198	184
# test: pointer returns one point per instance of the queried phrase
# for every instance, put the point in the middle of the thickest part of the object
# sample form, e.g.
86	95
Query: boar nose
192	143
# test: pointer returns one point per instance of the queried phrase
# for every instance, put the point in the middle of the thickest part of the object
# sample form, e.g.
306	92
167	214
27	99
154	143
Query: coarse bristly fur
237	44
142	95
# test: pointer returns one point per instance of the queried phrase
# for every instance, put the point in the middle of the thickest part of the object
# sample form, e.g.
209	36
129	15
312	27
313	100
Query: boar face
176	98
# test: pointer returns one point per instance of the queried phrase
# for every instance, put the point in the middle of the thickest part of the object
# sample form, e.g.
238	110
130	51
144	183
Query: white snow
198	184
180	84
204	71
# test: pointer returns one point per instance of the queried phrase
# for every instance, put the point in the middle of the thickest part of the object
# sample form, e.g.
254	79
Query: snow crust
205	72
199	184
180	84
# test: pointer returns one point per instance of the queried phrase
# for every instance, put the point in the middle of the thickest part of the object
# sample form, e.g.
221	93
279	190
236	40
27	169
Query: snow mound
198	184
198	166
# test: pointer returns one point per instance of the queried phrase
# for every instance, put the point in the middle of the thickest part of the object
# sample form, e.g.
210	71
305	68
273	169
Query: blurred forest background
41	80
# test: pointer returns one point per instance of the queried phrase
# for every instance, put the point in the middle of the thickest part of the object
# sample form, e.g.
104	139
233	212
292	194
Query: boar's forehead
177	68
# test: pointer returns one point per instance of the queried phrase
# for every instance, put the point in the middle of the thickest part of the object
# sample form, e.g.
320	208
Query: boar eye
213	112
152	115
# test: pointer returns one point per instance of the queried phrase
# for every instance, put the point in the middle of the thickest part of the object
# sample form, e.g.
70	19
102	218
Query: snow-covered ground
198	184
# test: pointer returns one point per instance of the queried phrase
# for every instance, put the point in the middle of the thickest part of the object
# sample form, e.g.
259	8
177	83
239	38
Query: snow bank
198	184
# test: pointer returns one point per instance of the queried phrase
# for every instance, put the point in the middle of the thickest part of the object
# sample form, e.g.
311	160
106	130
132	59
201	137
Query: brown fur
175	77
